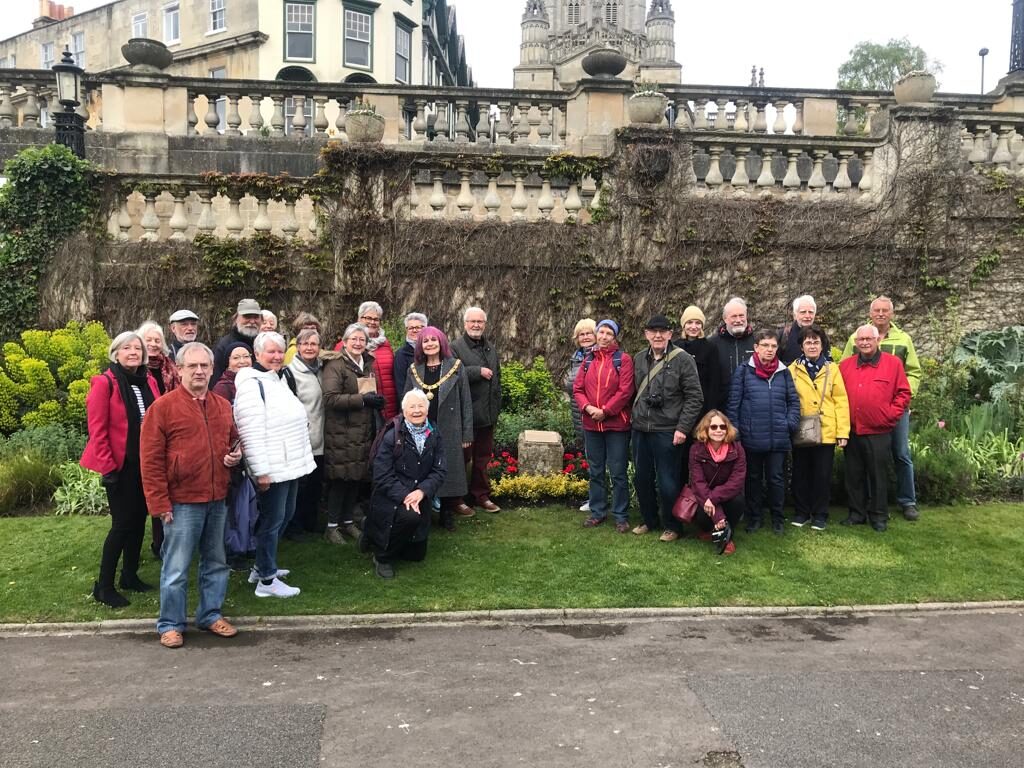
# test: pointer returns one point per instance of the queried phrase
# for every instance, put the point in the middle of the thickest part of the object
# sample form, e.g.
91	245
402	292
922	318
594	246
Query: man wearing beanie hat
666	404
705	355
735	344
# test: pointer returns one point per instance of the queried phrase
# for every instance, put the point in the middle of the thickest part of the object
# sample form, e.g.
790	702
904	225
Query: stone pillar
540	453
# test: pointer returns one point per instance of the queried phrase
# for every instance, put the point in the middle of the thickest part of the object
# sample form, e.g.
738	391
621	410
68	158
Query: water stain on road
583	631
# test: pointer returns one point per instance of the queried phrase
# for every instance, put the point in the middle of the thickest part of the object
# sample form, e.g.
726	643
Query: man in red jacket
879	393
188	445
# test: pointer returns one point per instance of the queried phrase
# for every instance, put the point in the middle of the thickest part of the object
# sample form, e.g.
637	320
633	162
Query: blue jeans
905	494
658	466
194	525
277	505
608	450
765	481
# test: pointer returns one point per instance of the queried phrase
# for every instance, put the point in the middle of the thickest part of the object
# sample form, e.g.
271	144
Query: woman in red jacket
603	390
115	407
718	472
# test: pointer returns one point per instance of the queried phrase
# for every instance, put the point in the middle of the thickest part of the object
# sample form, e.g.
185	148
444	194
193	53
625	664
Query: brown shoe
172	639
490	506
221	628
464	510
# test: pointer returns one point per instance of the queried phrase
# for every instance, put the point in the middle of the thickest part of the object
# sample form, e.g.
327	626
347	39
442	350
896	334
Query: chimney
51	12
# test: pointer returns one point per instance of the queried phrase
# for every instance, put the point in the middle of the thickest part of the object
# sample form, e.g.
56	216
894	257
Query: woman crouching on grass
718	471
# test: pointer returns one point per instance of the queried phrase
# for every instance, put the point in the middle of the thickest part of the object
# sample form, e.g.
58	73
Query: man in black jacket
480	358
734	342
805	309
248	318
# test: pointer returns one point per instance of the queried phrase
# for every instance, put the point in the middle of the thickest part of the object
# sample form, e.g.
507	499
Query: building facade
558	34
414	42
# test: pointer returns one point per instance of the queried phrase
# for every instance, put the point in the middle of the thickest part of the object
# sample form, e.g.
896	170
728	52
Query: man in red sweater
188	445
879	393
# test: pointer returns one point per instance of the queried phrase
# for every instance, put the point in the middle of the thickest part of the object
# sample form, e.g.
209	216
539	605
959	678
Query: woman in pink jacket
603	390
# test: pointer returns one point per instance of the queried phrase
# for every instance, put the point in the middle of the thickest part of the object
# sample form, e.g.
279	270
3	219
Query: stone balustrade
28	98
994	140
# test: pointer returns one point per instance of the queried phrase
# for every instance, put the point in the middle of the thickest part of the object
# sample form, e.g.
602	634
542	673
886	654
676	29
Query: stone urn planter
914	88
604	63
647	108
146	55
364	127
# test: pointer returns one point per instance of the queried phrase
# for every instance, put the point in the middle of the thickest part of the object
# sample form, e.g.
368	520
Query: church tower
659	63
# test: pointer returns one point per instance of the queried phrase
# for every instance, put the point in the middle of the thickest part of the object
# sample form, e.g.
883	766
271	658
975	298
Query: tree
875	67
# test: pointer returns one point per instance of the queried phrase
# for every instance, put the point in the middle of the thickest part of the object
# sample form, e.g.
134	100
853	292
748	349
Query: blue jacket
765	411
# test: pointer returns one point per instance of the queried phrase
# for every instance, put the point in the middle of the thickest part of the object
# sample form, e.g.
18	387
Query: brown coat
349	427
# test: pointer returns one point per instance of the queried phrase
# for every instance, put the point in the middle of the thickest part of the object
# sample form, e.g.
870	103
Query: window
220	73
611	13
574	13
358	36
218	16
172	23
46	56
140	25
78	48
403	54
300	23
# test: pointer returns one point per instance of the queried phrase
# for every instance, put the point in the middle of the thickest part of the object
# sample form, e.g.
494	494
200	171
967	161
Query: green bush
53	443
81	491
524	389
942	473
556	417
26	481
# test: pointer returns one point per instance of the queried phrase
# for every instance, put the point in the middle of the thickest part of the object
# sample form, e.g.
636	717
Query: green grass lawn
543	558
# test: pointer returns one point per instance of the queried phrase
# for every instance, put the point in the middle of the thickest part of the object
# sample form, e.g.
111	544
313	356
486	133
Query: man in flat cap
184	329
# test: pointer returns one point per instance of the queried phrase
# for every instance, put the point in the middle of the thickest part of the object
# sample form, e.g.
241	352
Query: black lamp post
1017	38
983	53
70	127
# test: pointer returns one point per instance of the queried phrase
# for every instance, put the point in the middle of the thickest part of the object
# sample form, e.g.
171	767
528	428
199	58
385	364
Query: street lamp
983	53
70	127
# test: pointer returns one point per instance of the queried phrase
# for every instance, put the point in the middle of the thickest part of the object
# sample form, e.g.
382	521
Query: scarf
372	344
360	363
765	371
165	372
581	353
718	454
419	434
125	381
813	366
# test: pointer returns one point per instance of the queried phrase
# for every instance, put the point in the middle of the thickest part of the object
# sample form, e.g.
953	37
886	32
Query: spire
661	9
535	11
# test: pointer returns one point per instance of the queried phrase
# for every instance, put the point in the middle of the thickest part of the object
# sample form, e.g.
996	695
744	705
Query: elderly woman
115	407
303	321
159	360
604	394
718	473
764	406
370	314
705	354
583	336
268	321
306	371
272	423
351	404
442	378
409	468
239	357
415	322
822	393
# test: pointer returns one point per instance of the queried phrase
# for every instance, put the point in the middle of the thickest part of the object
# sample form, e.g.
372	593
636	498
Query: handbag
808	434
686	505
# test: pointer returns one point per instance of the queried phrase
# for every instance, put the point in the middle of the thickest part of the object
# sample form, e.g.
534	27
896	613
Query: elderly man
734	342
879	394
184	326
805	309
188	445
248	319
479	356
666	405
414	323
897	342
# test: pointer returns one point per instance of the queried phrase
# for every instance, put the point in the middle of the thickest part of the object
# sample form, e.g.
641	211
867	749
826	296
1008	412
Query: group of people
229	449
712	419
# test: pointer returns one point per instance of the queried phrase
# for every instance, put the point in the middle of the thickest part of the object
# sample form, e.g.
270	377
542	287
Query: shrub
25	482
524	389
535	488
81	491
55	444
552	418
942	474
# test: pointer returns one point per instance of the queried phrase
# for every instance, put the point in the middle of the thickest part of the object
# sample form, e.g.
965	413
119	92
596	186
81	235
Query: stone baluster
191	118
980	152
415	198
700	117
124	220
966	143
30	110
314	218
817	181
207	223
873	109
1016	144
255	113
761	120
438	199
461	121
466	201
441	123
523	126
179	220
791	181
546	201
299	116
290	222
867	179
234	224
492	200
320	121
504	125
851	128
1002	157
8	114
595	201
779	127
150	221
544	127
713	180
573	204
740	124
798	122
766	180
519	200
277	121
232	118
740	180
262	223
419	123
342	118
1020	160
563	126
211	119
483	123
842	182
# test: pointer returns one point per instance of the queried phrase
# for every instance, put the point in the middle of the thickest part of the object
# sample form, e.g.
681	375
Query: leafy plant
26	480
361	107
81	491
525	388
995	358
877	66
555	418
536	488
646	88
53	443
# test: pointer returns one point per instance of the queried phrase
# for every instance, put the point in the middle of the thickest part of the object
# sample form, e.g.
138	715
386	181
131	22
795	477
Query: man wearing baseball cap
248	319
184	329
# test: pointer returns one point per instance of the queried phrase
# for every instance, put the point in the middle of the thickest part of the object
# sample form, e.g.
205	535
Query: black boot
134	583
108	596
448	520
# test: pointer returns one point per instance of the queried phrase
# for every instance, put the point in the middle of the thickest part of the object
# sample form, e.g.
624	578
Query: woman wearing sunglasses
718	472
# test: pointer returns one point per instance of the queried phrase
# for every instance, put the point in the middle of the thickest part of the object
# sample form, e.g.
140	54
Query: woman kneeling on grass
718	471
409	468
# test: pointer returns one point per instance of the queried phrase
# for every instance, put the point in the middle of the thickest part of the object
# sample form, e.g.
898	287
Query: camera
654	401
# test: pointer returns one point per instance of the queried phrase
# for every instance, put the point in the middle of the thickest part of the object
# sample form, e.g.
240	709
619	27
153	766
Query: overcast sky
800	43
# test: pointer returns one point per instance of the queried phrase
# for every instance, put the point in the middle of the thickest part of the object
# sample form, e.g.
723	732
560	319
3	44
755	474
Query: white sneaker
585	506
276	588
254	577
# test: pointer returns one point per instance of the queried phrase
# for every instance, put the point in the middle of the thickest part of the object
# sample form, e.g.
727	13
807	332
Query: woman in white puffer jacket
274	429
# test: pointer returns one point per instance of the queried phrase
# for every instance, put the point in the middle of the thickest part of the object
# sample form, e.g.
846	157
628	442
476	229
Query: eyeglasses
716	426
414	328
369	318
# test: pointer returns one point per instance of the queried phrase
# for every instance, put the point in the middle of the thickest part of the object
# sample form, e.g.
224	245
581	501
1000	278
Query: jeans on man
764	474
905	494
608	450
193	526
658	464
277	504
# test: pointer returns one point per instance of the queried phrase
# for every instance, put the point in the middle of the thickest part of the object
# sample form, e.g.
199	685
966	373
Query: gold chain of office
429	389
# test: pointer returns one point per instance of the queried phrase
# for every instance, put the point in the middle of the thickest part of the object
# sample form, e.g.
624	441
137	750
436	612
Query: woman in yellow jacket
820	387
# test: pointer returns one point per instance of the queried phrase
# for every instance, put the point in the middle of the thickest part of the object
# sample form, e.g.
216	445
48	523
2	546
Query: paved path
908	690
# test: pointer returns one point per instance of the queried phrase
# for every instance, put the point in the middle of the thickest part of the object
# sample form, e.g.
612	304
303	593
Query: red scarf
763	370
718	454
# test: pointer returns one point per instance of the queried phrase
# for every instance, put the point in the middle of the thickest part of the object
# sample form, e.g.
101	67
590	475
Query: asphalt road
928	690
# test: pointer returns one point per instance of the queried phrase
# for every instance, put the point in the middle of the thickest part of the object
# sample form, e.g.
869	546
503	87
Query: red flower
505	454
568	457
569	468
512	470
584	465
579	455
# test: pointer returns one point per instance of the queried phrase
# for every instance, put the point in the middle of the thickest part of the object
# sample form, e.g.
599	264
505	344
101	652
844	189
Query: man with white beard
734	342
248	319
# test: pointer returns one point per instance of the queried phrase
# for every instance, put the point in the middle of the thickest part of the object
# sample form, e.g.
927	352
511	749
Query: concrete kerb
513	617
